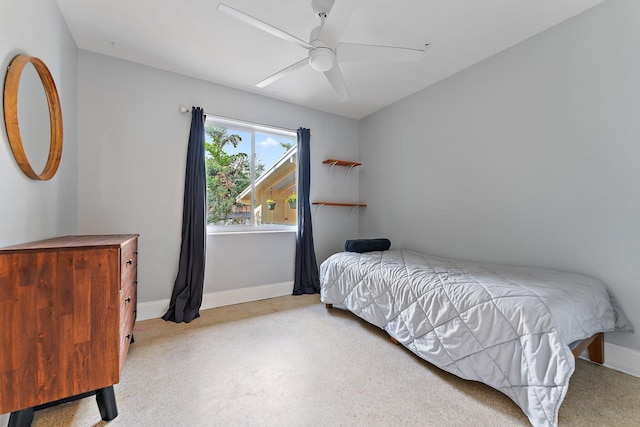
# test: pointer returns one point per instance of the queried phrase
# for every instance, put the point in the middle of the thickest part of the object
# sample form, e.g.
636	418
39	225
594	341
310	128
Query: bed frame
594	344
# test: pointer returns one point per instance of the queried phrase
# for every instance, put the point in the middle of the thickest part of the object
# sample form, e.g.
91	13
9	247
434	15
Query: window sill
249	230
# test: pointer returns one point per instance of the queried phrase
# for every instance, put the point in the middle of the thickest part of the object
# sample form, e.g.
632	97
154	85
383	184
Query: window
251	176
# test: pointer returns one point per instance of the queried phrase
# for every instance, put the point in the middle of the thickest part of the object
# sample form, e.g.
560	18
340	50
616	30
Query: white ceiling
190	37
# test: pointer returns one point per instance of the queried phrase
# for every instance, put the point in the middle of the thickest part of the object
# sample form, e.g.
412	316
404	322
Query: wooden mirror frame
12	82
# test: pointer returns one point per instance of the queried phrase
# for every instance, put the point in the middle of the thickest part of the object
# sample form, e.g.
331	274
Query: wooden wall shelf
353	206
357	205
336	162
350	165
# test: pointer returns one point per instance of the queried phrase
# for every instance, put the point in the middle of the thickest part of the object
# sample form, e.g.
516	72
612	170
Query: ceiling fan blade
336	21
277	76
261	25
350	52
335	79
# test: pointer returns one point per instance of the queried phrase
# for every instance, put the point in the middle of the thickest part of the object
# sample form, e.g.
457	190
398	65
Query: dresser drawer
128	304
125	340
128	299
129	257
128	282
128	312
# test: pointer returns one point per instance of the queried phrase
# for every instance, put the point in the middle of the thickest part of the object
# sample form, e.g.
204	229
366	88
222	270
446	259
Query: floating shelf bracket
349	171
333	164
353	206
317	210
336	162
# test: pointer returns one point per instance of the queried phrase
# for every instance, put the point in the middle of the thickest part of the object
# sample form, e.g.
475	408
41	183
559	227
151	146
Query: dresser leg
21	418
106	399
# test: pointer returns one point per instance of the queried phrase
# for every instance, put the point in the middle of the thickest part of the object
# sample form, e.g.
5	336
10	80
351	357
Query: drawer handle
128	336
128	299
135	311
135	282
129	261
135	253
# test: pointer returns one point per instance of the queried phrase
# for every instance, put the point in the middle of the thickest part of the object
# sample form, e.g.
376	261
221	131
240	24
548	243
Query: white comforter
507	327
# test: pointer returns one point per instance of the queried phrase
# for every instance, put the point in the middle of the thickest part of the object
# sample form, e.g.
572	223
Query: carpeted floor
291	362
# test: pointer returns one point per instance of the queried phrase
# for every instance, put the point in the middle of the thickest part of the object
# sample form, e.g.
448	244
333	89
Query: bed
515	329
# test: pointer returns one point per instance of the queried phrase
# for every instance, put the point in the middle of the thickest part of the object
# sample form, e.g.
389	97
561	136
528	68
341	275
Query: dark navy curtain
187	289
307	280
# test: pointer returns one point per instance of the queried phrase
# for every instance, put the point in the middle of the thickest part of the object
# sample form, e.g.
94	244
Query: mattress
508	327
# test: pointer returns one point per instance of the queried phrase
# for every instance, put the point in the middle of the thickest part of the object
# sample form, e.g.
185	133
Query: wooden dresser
67	310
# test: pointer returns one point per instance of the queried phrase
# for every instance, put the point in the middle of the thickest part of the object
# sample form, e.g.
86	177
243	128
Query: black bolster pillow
367	245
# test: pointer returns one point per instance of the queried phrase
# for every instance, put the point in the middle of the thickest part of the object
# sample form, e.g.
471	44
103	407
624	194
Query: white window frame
252	128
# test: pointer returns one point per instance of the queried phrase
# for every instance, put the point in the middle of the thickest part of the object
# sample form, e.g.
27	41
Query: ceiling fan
324	49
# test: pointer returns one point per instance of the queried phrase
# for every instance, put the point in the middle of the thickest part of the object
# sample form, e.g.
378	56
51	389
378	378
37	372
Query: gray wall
131	161
32	210
530	157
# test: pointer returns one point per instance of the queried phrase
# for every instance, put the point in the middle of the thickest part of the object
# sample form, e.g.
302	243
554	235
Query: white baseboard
622	359
155	309
619	358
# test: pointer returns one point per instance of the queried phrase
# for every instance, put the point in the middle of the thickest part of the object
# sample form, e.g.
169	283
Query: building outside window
251	176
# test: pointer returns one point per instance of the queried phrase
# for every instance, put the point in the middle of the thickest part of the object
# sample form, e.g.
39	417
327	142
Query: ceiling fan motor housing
322	7
322	58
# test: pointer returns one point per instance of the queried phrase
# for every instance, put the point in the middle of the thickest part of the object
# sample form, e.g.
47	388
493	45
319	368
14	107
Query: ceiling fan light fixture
322	59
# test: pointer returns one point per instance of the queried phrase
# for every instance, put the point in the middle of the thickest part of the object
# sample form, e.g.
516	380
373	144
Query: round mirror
24	108
34	118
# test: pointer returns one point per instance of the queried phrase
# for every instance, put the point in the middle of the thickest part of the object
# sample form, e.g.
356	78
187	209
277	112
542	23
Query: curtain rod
241	122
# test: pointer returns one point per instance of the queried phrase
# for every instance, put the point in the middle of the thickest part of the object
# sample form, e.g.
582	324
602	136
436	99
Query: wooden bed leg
595	346
329	305
393	340
596	349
